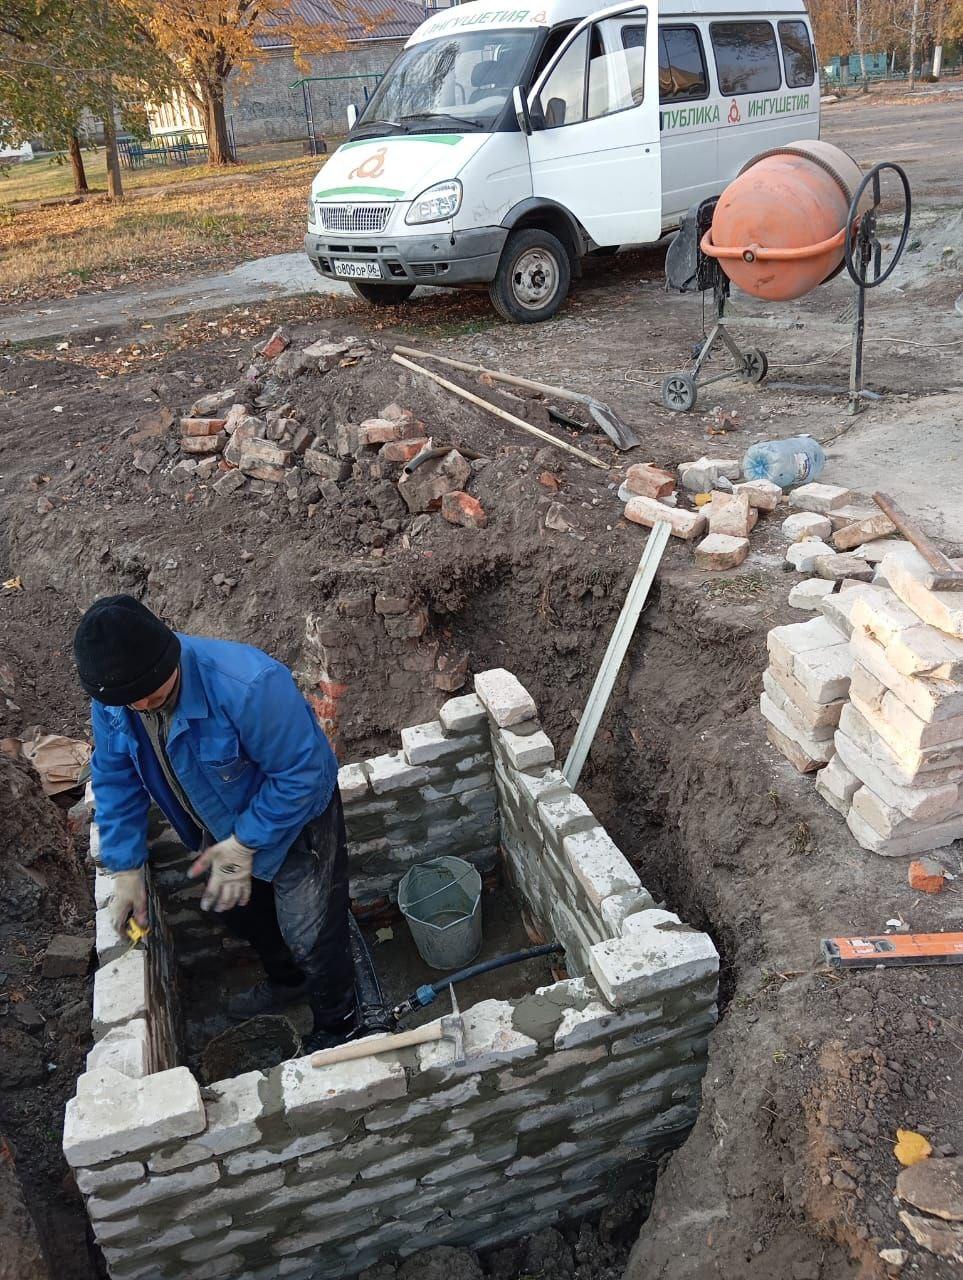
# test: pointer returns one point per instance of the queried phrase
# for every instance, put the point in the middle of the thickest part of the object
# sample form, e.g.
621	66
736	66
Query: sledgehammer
450	1027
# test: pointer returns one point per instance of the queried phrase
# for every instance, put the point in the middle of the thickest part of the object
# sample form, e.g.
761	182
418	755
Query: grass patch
197	220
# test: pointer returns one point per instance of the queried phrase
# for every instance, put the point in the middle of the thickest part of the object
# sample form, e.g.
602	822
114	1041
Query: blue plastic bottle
796	460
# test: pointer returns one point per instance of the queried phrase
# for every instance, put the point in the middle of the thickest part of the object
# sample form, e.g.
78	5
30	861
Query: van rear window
797	54
747	59
682	67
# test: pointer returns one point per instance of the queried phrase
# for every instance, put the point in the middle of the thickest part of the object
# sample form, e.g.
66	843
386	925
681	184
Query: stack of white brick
568	870
312	1174
898	773
805	688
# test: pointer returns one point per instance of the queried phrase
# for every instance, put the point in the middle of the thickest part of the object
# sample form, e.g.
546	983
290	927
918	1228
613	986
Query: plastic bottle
796	460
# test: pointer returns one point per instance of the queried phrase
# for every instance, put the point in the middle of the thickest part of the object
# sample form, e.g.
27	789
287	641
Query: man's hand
128	898
229	884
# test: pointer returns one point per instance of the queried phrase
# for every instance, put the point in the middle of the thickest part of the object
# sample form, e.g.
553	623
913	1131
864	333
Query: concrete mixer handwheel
679	392
865	224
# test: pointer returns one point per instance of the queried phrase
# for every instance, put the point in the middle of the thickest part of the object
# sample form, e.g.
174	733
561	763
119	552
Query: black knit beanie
123	652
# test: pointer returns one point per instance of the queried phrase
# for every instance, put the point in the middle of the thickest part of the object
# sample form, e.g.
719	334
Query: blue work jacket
244	745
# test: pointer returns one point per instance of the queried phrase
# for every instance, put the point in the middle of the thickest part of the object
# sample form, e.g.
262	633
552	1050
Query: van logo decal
372	166
734	116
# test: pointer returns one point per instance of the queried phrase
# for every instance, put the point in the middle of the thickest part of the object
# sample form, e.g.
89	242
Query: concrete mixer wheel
755	366
679	392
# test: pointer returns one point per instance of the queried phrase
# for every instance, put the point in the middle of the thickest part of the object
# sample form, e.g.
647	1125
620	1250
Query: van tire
533	277
382	295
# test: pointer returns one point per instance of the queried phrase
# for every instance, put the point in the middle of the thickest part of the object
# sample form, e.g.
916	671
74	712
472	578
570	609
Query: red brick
548	480
378	431
926	875
277	343
649	481
402	450
324	708
202	426
394	413
204	444
332	688
461	508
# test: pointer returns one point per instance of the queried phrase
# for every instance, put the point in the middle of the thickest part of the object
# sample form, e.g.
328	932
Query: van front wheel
382	295
533	277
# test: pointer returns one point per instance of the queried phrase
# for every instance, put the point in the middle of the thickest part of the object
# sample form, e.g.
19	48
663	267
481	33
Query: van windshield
459	81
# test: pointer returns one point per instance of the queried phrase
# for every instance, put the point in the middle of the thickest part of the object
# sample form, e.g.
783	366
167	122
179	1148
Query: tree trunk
77	163
219	150
914	28
859	43
115	185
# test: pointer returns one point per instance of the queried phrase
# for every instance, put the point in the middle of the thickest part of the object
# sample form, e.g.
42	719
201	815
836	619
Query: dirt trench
789	1170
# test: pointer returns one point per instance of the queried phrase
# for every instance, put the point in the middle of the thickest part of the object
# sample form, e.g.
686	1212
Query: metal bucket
441	900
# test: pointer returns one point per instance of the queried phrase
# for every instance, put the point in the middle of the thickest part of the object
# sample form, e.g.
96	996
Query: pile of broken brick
228	445
869	695
725	510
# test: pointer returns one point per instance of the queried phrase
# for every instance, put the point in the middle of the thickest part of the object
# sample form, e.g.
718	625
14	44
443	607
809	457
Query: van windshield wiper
444	115
376	124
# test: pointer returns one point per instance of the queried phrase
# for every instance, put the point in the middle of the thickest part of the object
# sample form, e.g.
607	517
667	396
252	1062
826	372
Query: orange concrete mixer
780	227
787	223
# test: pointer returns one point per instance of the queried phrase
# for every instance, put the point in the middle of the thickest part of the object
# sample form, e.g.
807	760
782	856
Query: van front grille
354	217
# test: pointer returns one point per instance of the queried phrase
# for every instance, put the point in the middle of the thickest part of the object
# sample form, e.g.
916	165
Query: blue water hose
430	992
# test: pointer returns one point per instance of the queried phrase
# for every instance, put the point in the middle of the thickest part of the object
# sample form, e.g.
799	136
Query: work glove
229	884
129	897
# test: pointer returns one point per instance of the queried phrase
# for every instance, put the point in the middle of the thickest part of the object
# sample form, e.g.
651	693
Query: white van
504	144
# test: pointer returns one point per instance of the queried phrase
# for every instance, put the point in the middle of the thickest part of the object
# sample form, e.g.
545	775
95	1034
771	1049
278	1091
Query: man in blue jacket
221	739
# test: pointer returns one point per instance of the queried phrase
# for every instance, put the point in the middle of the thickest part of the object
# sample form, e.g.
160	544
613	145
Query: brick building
276	101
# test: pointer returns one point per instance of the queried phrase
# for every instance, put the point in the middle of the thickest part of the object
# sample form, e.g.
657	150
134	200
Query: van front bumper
445	258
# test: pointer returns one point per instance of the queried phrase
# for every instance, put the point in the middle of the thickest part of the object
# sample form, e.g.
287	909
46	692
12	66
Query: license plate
357	270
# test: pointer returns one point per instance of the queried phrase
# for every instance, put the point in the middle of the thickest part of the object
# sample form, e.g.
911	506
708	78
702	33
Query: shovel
617	430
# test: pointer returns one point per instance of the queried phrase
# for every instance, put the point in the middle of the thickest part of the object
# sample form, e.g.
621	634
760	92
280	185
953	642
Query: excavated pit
567	1089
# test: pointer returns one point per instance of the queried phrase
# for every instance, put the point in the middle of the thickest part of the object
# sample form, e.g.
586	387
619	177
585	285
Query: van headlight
312	211
443	200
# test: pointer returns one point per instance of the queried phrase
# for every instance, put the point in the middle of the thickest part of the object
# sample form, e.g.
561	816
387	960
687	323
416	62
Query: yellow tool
137	933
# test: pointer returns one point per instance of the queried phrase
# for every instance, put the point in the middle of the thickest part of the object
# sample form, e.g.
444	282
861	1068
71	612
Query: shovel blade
619	432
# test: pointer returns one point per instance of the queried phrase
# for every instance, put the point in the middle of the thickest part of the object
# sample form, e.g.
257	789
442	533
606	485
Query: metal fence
179	147
326	100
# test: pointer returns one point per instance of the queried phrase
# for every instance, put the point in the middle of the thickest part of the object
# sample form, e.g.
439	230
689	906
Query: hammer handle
376	1044
930	552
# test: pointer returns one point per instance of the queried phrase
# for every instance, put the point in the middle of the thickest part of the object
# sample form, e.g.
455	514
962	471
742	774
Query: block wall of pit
565	1095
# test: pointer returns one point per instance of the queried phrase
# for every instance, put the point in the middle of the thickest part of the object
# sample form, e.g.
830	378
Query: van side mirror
520	103
352	115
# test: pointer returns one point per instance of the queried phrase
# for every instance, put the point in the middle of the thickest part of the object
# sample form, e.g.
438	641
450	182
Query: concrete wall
313	1173
264	108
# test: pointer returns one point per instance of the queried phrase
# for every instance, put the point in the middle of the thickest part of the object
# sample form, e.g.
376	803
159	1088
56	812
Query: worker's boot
328	1033
264	997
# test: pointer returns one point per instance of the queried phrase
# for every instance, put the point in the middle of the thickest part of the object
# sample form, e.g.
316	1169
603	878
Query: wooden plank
500	413
615	653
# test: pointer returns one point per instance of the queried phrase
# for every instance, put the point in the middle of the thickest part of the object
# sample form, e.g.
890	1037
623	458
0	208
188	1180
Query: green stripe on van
442	139
390	192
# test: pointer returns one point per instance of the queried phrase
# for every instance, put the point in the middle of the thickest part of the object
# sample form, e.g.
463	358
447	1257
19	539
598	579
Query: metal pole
859	319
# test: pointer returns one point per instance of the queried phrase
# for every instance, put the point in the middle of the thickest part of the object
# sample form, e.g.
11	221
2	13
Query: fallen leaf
14	584
384	935
911	1147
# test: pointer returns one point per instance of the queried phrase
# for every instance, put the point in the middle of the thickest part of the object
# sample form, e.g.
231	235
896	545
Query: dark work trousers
298	922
